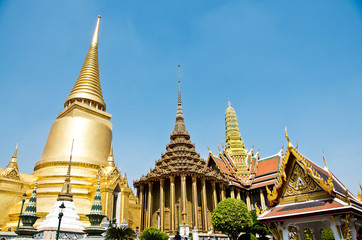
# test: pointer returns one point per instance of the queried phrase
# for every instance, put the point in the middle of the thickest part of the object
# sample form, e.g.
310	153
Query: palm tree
117	233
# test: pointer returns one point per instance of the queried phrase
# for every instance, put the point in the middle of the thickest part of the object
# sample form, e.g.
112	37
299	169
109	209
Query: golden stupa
84	120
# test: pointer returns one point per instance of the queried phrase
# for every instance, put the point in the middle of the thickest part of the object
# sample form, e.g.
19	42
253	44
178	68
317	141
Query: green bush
247	236
152	233
231	217
116	233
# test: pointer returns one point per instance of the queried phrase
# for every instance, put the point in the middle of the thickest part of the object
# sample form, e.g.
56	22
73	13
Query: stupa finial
13	164
88	87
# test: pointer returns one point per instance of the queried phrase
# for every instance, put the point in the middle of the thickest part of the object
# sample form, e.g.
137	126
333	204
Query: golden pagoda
85	120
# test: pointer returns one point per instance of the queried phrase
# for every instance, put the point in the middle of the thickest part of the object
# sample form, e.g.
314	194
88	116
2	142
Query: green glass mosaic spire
31	208
97	202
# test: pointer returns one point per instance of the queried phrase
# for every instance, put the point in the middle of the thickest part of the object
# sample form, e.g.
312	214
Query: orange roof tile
267	165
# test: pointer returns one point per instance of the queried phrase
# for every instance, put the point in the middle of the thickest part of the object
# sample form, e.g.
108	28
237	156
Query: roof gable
311	178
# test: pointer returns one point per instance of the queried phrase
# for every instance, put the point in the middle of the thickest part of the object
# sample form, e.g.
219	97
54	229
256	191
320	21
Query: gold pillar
248	204
162	203
172	203
125	192
204	204
195	202
149	205
214	197
232	193
222	186
142	196
238	194
183	198
262	200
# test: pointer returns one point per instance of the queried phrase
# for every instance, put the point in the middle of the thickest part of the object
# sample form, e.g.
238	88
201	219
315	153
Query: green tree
257	228
117	233
152	233
231	217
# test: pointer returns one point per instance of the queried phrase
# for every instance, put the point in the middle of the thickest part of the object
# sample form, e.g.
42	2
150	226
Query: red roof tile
297	209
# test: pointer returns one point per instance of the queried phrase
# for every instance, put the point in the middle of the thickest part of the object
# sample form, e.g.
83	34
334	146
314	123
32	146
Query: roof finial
16	150
13	164
179	84
286	136
208	147
229	102
325	162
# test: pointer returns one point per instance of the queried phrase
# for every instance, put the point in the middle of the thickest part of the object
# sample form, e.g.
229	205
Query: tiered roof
180	156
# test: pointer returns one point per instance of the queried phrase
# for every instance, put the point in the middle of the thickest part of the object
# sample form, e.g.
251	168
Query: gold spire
65	194
110	161
13	164
234	144
179	124
88	88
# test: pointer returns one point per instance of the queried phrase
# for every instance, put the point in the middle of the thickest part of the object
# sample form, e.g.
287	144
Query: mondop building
289	191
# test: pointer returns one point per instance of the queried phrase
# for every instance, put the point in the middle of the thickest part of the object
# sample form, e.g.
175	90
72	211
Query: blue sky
282	63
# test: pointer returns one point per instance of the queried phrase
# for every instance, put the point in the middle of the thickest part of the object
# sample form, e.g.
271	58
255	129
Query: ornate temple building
181	178
247	173
307	196
85	121
180	189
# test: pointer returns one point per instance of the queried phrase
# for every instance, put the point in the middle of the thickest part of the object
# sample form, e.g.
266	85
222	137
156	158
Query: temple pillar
223	197
248	204
172	203
204	204
232	193
149	207
162	204
183	199
142	197
262	200
238	194
195	202
214	196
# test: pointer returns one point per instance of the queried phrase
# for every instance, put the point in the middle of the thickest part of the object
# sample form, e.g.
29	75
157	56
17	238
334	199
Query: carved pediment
12	174
300	183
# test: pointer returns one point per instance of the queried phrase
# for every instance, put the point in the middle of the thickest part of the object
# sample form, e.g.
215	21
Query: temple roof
313	208
180	156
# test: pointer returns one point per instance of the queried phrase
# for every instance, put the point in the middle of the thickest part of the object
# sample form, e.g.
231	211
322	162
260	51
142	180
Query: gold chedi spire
13	164
87	89
179	124
234	144
65	194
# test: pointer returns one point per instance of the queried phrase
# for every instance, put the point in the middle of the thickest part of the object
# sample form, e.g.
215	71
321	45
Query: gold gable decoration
300	183
286	165
12	174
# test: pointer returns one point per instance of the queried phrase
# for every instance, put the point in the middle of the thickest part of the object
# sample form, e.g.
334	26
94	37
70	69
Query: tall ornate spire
110	161
65	194
87	88
13	164
234	144
179	124
31	208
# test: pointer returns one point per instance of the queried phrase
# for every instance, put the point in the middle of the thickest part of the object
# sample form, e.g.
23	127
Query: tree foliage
152	233
257	228
231	217
117	233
